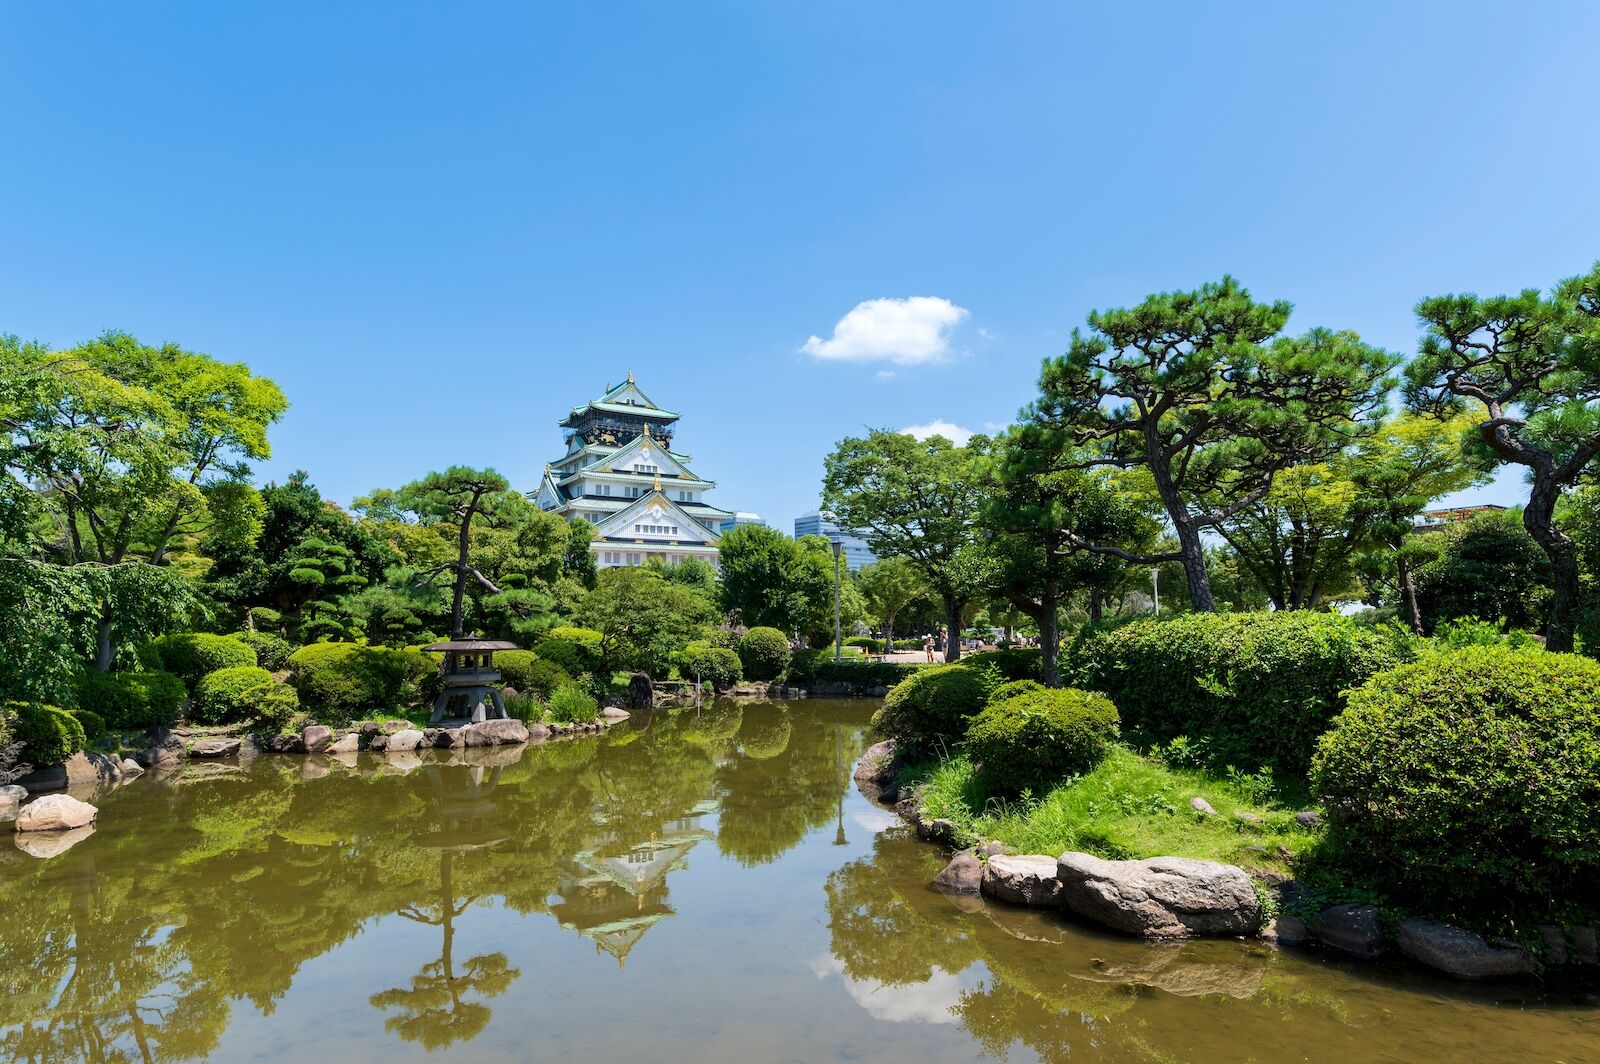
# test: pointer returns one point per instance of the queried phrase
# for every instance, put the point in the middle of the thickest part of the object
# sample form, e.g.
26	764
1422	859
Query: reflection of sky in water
875	820
933	1001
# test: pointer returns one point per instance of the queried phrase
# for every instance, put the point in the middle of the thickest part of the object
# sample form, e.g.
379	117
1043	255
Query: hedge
272	651
191	655
865	673
223	697
717	666
1014	688
1010	663
529	674
1258	688
49	734
343	680
931	707
764	653
94	725
129	700
1033	740
1470	778
577	650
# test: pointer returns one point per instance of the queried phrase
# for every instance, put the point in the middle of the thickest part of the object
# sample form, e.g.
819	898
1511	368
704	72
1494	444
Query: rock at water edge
1022	880
317	738
1353	930
11	795
55	812
349	743
1161	897
877	764
963	875
1457	953
218	747
131	768
404	741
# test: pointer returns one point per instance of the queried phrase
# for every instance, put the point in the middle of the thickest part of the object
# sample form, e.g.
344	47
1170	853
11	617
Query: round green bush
49	734
576	650
1035	739
1471	776
275	707
272	651
94	725
717	666
192	655
930	708
1260	688
221	696
722	637
1015	688
1011	663
529	674
128	700
763	653
341	681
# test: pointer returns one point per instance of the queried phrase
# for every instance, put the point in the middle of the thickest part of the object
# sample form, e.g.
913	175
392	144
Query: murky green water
689	887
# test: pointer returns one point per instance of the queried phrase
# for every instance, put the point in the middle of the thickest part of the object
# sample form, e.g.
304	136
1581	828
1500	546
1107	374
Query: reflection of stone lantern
471	685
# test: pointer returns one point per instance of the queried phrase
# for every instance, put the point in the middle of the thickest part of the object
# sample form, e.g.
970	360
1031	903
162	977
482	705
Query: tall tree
919	500
889	585
1199	389
1529	366
458	495
758	577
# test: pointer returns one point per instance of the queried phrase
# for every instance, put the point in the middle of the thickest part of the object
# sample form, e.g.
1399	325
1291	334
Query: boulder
347	743
392	727
990	849
131	768
378	743
369	728
1290	930
1161	897
1350	929
1555	944
55	812
215	747
11	795
1584	945
499	732
167	750
1201	806
84	769
316	738
1025	880
937	829
404	741
1249	820
877	766
614	713
963	875
285	744
1308	819
45	844
1457	953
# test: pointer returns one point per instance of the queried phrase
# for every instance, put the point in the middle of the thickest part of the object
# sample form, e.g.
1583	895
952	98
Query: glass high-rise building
856	551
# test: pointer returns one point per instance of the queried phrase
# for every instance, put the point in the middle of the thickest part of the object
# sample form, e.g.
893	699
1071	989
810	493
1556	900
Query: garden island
1232	730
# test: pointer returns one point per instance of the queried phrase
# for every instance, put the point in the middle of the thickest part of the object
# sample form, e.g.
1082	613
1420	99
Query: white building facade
621	475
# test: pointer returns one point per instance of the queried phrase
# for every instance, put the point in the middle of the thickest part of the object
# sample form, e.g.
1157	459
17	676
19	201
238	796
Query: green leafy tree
1200	390
320	571
642	618
758	569
458	495
919	500
1529	366
889	585
1490	568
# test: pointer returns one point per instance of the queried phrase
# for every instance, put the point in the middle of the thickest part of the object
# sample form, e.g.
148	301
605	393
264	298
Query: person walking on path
927	646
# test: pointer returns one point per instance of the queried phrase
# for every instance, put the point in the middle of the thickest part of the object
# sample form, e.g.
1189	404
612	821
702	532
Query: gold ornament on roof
658	481
630	376
647	428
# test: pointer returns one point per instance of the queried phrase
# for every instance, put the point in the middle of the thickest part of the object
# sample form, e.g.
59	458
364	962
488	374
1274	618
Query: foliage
929	709
342	680
94	725
1127	808
275	707
49	734
763	652
571	704
528	673
272	651
858	673
889	585
1035	739
718	666
575	649
1012	663
129	700
1489	567
1468	778
1013	688
223	696
642	618
1260	688
1472	632
193	655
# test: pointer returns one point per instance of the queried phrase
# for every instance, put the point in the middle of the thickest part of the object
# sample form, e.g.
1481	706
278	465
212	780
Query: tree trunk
1194	566
1097	604
888	635
952	638
1049	646
102	641
1538	519
1409	608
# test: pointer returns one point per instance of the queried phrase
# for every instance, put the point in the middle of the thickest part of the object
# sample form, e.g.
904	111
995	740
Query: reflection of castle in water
617	891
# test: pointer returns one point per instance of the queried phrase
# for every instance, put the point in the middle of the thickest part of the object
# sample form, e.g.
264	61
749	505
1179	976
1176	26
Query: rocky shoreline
1165	898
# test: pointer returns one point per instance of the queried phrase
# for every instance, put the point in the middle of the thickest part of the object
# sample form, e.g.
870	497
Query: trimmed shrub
192	655
129	700
272	651
49	734
1037	738
275	707
342	680
908	644
724	638
571	704
1258	687
220	697
764	653
1015	688
717	666
529	674
865	642
1011	663
931	708
577	650
94	725
864	673
1469	777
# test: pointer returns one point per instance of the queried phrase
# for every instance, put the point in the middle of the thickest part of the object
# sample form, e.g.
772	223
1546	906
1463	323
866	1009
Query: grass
1130	806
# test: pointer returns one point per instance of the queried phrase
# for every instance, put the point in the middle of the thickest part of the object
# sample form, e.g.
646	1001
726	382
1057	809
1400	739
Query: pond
693	885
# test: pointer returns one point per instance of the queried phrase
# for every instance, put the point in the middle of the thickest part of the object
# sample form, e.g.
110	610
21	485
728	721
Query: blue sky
391	207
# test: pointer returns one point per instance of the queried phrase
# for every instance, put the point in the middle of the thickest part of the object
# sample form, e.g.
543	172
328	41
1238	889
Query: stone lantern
471	684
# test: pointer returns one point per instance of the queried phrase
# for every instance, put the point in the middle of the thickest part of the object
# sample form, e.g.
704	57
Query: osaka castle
621	475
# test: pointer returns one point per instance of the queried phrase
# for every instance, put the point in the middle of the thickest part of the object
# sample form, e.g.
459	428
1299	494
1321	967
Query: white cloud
932	1001
954	433
907	332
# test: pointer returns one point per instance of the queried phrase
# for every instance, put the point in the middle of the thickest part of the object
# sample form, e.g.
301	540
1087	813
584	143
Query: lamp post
838	636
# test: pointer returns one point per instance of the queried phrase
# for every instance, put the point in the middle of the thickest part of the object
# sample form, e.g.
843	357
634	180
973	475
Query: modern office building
856	551
621	475
743	517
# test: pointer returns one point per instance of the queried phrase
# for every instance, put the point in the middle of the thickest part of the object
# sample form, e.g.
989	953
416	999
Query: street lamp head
838	547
